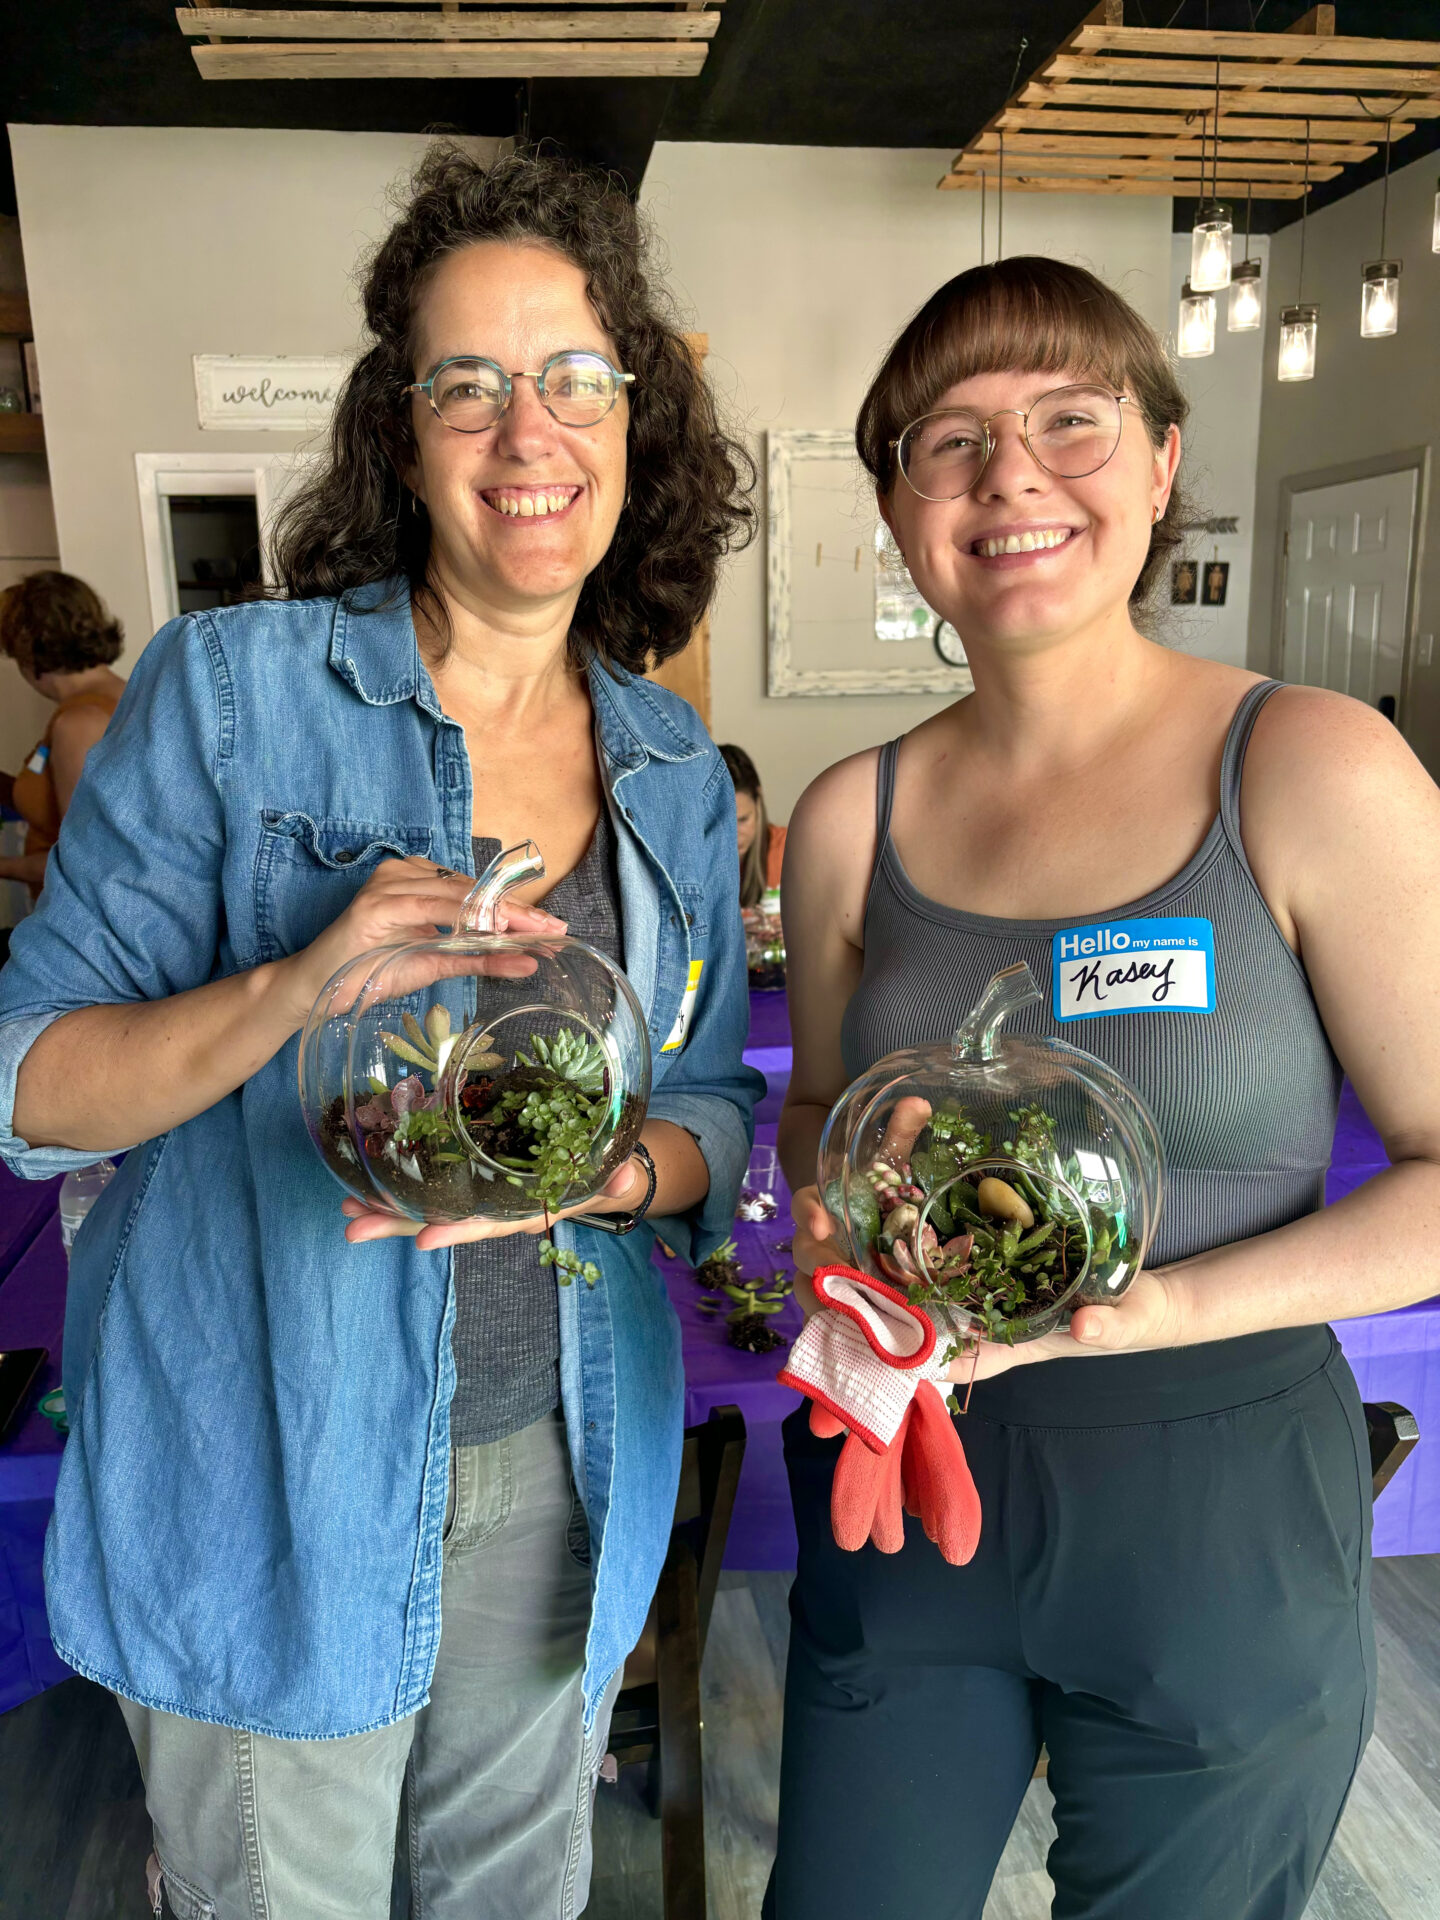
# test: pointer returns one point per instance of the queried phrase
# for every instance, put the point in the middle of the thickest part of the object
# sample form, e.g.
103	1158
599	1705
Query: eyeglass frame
1024	413
427	387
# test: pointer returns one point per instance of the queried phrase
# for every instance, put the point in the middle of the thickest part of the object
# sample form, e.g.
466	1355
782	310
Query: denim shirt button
344	857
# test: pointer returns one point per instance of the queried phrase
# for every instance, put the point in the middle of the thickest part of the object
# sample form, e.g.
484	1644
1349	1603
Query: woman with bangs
1170	1591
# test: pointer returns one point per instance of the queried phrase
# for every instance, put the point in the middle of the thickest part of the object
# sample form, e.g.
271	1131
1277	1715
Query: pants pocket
185	1901
577	1533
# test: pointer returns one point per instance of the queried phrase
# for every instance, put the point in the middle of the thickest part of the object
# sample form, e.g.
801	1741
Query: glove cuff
899	1335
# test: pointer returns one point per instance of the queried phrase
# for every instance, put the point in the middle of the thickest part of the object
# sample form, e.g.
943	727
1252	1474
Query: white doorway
213	508
1349	572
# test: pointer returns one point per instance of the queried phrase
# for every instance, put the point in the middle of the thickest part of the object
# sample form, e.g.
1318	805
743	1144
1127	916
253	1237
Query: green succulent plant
570	1055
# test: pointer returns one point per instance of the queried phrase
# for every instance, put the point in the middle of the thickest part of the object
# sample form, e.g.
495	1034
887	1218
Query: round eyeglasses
470	394
1069	432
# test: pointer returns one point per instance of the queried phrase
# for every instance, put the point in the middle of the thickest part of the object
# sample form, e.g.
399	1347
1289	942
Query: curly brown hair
55	623
1036	316
689	482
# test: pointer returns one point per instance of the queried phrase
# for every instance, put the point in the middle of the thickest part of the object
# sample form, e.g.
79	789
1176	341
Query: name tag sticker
687	1007
1134	966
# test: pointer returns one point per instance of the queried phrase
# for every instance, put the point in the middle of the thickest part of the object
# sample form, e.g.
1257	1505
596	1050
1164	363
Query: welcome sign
290	393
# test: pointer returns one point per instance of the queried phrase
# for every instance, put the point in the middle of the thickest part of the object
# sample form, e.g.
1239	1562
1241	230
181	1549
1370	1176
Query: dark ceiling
830	73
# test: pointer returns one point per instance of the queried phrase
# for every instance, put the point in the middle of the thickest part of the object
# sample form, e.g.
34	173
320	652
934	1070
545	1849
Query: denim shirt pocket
309	868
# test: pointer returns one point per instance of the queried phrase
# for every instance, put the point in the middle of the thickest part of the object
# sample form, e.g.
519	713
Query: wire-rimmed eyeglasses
1069	432
470	394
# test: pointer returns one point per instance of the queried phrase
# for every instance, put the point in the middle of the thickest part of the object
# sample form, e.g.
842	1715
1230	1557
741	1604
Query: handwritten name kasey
267	395
1087	980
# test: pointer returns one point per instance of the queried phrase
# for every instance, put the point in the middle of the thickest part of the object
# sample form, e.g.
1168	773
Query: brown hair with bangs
1035	316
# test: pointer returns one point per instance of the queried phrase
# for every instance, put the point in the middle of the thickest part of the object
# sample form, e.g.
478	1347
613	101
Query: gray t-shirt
507	1315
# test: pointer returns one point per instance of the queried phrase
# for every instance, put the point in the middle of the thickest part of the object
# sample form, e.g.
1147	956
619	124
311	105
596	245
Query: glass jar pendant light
1300	324
1380	279
1214	227
1247	306
1210	247
1379	299
1299	328
1197	324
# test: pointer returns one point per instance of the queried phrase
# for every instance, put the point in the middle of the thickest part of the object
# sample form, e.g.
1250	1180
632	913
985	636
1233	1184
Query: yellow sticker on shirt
687	1007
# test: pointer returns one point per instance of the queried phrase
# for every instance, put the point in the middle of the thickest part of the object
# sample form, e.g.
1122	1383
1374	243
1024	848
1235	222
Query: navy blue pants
1171	1593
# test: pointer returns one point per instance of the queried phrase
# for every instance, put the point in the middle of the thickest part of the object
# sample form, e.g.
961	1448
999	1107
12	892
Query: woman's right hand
410	899
814	1244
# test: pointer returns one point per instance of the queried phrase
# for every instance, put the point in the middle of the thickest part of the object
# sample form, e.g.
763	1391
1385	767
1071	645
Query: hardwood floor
73	1834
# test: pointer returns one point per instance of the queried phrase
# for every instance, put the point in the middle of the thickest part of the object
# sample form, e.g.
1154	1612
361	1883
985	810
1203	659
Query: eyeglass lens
1071	432
578	389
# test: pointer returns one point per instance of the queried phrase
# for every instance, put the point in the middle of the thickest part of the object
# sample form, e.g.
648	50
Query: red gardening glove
865	1496
939	1487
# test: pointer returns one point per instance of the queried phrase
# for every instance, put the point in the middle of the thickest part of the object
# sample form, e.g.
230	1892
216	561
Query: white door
1347	583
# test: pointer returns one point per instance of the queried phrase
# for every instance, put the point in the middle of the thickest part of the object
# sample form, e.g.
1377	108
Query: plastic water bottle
78	1193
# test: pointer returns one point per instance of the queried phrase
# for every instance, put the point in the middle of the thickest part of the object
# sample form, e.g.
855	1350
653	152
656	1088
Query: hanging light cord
1215	142
1385	191
1304	211
1249	199
1000	202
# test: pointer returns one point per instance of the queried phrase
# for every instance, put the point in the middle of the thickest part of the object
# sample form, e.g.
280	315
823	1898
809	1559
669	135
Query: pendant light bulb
1379	299
1196	335
1247	305
1210	247
1299	328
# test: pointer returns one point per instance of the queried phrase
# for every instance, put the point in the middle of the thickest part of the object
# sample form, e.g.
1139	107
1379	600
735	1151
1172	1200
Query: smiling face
520	513
1026	558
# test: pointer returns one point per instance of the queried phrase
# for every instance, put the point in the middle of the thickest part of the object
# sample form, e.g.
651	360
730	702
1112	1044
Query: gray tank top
506	1336
1245	1096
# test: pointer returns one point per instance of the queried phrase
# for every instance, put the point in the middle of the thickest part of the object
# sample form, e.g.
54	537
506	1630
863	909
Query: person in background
57	631
762	846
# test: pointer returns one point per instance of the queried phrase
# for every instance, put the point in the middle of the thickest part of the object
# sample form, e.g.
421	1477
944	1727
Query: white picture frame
266	477
789	451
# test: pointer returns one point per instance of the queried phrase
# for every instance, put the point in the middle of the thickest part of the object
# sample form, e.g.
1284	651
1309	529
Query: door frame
159	476
1416	459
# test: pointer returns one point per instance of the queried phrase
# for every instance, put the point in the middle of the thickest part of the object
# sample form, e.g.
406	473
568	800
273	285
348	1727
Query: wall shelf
22	433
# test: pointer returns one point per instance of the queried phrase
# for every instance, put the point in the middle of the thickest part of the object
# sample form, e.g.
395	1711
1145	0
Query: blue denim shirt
248	1518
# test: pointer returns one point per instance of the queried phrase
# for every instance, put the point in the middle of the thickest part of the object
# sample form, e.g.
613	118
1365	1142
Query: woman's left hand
621	1191
1147	1315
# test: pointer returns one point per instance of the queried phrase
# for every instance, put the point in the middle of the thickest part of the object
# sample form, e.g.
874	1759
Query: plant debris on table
720	1268
1005	1237
754	1304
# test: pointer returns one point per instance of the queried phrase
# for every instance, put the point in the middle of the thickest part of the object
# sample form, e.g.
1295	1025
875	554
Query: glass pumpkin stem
510	869
1012	988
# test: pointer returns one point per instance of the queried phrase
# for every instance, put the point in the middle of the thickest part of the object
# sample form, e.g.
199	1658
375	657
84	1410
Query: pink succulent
408	1093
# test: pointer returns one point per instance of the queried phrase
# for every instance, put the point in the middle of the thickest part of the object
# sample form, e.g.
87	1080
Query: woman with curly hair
57	631
351	1524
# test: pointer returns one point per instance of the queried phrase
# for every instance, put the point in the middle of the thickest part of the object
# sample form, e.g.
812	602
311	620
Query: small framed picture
1217	578
1184	583
32	375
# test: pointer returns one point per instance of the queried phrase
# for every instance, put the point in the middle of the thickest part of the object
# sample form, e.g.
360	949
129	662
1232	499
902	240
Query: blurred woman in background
59	634
762	846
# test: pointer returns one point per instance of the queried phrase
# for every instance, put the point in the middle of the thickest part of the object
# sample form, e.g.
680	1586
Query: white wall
1221	444
801	263
145	245
1368	397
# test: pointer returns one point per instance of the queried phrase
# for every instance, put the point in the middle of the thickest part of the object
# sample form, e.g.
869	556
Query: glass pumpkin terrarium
1014	1178
481	1074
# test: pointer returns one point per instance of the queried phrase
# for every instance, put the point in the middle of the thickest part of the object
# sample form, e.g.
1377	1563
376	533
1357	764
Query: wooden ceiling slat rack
524	39
1119	109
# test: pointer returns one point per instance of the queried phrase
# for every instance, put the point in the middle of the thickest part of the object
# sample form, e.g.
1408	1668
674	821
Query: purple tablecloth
32	1314
1396	1356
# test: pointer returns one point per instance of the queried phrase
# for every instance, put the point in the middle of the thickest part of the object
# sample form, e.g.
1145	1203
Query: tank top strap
885	793
1232	761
